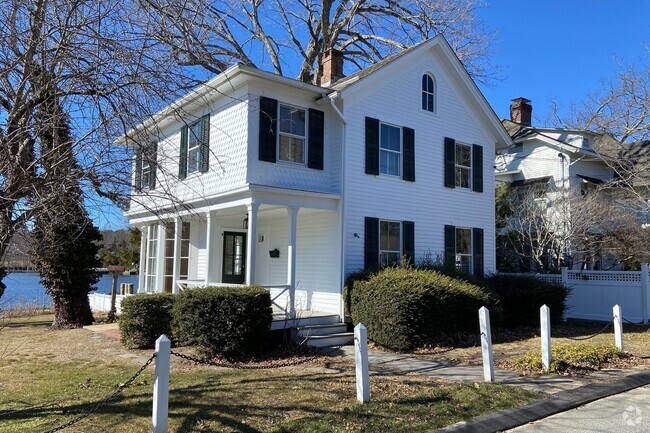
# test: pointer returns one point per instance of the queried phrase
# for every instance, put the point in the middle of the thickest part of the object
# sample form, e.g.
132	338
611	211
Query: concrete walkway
390	363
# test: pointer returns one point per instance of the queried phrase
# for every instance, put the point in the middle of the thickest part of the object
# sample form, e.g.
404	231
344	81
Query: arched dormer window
428	93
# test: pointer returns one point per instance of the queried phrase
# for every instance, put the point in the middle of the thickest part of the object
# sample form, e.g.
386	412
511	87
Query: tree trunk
72	310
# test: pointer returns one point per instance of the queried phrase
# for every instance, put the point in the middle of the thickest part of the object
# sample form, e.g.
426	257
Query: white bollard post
618	326
361	361
545	321
161	386
486	344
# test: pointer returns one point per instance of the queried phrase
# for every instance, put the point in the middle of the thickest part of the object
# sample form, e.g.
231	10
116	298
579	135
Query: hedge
405	308
521	296
144	318
231	321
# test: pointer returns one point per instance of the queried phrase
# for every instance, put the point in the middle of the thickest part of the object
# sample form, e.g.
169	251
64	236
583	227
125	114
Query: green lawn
76	369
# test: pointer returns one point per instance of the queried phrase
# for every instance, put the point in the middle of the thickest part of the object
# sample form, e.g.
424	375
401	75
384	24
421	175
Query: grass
76	369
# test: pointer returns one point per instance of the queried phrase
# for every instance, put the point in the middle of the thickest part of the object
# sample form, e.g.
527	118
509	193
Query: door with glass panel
234	258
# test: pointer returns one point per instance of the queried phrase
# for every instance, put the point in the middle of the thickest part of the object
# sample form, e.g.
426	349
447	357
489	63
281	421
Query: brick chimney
332	67
521	111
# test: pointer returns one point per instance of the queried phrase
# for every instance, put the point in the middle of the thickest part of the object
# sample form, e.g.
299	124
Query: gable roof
466	83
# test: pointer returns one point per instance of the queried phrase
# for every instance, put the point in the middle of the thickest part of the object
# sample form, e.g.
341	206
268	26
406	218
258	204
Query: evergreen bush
521	296
405	308
144	318
230	321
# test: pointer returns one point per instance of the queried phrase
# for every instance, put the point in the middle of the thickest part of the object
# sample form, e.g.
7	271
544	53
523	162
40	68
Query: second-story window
463	165
194	147
292	134
390	149
145	166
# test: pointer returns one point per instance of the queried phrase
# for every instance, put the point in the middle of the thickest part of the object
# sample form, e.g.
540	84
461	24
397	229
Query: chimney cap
521	99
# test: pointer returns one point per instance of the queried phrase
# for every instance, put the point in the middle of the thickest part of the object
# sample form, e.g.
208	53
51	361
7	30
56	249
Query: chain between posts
250	367
589	337
106	400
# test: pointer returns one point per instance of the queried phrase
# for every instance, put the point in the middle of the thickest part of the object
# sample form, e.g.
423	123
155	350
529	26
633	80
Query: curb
560	402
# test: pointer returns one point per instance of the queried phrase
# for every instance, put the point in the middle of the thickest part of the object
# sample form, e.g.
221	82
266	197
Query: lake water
24	288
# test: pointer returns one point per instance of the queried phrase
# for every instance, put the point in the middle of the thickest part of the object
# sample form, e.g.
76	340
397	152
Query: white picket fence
594	292
102	303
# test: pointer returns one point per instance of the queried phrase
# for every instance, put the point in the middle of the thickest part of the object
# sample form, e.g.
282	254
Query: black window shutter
268	129
204	150
450	246
138	168
316	139
450	162
152	158
478	251
371	243
477	168
408	139
408	240
182	161
372	146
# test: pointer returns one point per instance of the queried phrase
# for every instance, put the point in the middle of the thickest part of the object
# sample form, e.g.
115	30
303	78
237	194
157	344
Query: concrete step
313	330
340	339
307	320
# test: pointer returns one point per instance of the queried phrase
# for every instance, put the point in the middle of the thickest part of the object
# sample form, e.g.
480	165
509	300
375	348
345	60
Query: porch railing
277	291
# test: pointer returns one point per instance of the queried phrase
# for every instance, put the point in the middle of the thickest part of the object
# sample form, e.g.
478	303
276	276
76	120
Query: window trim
458	166
400	154
471	249
380	250
147	165
433	93
305	138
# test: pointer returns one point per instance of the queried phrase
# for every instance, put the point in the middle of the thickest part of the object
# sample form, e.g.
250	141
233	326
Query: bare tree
569	228
293	35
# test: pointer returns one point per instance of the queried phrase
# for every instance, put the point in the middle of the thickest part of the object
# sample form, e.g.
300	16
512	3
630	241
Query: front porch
287	244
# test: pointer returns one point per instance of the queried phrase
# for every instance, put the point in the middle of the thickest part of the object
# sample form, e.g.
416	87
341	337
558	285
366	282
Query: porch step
339	339
281	322
318	330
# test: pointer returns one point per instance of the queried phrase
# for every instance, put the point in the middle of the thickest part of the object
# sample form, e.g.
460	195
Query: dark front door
234	258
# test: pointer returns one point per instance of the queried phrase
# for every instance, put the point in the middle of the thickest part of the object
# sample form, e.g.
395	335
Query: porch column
251	242
143	258
160	266
291	260
208	247
178	229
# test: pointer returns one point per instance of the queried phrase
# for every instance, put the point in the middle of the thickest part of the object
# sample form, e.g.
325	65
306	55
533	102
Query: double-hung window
146	173
428	93
151	264
293	124
463	169
390	251
195	132
464	250
390	149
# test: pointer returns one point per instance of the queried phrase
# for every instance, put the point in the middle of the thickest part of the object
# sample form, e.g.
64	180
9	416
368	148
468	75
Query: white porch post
160	266
143	258
208	247
178	229
251	242
291	260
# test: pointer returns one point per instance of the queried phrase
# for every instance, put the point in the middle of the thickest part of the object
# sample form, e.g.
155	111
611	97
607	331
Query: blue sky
561	50
549	50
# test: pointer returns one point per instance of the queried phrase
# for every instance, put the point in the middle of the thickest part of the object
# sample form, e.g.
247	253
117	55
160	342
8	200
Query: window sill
392	178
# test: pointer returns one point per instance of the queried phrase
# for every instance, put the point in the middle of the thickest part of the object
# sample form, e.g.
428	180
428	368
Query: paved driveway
626	412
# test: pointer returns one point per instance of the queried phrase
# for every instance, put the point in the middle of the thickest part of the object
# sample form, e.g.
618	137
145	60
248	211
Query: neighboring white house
258	178
555	159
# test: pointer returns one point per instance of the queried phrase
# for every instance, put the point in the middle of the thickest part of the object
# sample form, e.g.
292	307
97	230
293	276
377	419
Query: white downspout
342	222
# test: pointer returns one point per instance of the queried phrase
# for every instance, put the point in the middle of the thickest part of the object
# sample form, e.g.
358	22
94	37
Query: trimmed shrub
144	318
405	308
521	297
568	357
231	321
348	288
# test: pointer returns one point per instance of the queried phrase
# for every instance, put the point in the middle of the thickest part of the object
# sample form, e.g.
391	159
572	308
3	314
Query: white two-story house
254	178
